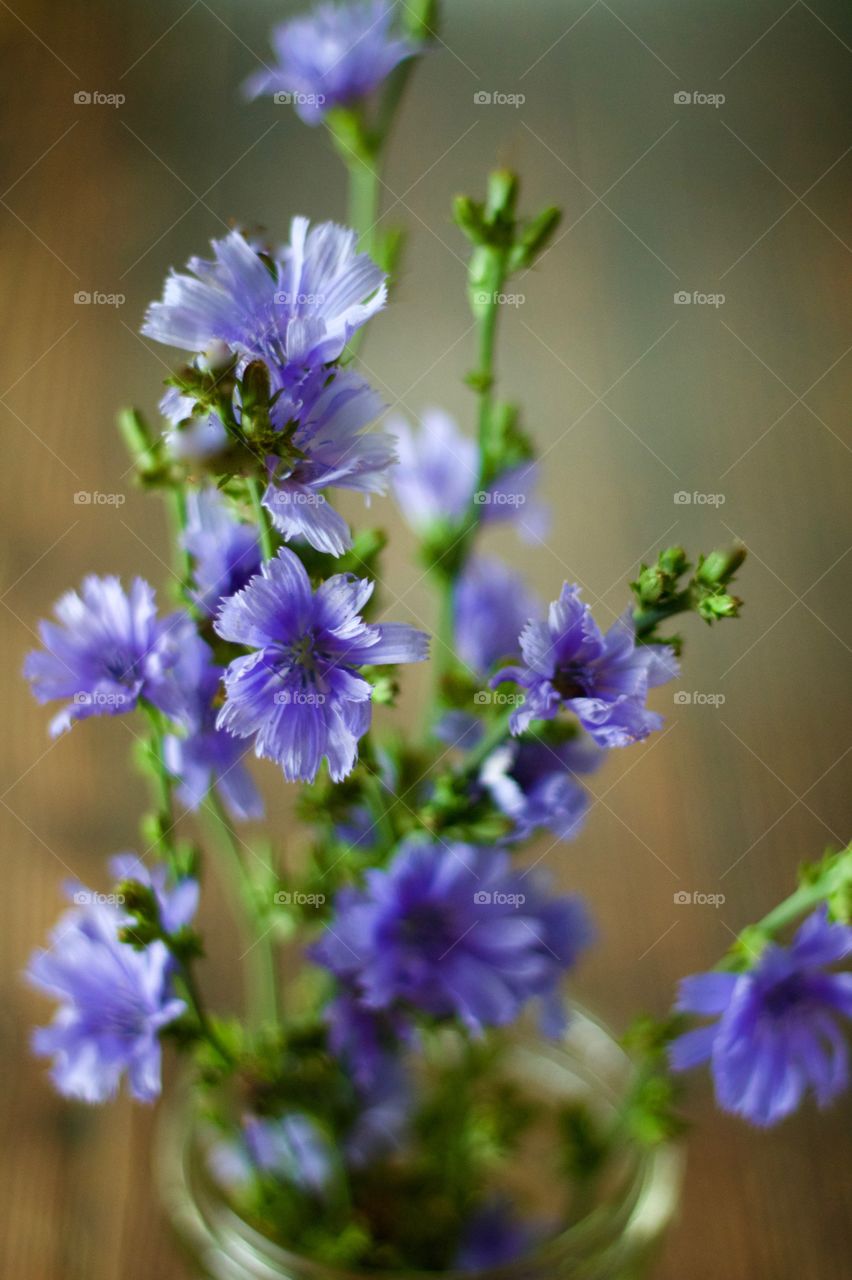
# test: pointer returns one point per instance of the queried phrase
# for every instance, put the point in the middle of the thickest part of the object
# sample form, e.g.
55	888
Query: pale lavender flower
300	694
225	552
332	57
603	679
292	1148
109	651
535	783
202	755
177	902
776	1033
332	448
114	1001
436	480
295	310
491	604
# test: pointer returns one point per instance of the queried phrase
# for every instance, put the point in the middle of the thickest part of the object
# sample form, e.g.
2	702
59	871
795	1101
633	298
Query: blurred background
699	148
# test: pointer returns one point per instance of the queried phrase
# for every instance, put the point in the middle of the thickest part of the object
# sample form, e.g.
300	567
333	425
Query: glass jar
618	1239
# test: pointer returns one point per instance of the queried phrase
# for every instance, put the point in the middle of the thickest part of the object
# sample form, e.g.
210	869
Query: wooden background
633	397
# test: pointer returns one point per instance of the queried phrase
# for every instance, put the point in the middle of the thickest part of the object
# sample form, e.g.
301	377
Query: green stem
177	513
261	515
364	196
197	1004
835	877
260	978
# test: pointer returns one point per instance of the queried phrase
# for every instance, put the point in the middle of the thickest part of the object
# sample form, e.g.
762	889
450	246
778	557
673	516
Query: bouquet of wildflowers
360	1115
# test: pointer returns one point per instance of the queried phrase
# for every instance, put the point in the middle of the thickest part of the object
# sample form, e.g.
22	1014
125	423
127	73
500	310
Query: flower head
225	553
603	679
776	1033
203	755
332	57
113	1003
295	309
300	694
109	650
534	783
177	903
436	479
492	604
331	448
453	931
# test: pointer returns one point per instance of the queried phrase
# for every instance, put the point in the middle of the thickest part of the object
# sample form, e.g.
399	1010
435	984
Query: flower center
784	996
571	681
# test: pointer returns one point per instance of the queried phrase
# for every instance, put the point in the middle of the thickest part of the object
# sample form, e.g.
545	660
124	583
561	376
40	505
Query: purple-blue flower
436	479
295	309
492	604
776	1032
452	930
493	1237
332	447
113	1003
332	57
534	783
108	651
300	694
292	1148
177	902
202	755
603	679
225	553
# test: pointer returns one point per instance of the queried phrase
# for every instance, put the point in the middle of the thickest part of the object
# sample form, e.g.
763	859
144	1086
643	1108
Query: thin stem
197	1004
836	876
364	195
261	515
261	978
177	512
